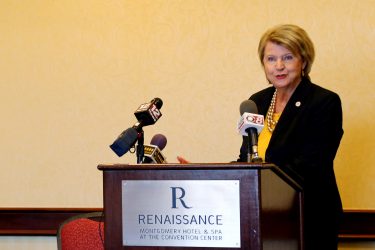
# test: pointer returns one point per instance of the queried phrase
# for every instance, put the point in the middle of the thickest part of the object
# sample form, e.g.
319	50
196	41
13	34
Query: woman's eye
288	57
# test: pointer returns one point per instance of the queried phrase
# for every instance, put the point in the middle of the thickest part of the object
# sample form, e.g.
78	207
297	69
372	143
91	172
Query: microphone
159	140
251	124
148	113
153	152
124	141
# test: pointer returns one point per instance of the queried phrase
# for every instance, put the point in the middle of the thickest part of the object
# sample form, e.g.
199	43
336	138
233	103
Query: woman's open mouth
280	77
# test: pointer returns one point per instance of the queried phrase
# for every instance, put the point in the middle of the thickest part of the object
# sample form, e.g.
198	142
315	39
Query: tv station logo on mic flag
154	153
250	120
151	109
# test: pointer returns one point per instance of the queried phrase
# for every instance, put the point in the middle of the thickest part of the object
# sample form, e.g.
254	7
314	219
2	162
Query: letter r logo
175	198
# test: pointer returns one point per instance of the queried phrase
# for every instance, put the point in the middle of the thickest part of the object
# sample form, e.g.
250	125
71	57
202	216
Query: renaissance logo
179	219
177	196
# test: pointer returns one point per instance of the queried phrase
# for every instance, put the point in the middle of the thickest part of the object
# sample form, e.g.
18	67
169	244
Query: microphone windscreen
124	141
248	106
158	102
159	140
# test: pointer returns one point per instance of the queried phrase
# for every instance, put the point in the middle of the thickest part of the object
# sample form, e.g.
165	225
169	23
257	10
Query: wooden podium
270	201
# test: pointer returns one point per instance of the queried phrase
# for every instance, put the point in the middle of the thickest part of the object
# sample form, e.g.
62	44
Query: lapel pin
298	104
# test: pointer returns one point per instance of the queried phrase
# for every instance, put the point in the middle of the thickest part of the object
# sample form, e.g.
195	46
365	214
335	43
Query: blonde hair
294	39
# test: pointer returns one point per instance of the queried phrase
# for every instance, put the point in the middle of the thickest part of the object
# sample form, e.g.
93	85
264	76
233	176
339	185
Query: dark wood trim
357	224
36	221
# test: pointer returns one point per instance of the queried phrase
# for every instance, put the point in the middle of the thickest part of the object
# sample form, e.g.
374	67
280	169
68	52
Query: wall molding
357	224
36	221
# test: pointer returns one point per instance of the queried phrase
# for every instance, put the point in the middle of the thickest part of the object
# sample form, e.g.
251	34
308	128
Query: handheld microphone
153	152
148	113
251	124
124	141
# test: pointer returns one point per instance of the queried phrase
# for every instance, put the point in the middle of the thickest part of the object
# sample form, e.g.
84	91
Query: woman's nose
280	64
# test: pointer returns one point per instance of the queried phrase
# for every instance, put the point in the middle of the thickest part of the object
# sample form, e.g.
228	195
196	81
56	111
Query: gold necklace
271	124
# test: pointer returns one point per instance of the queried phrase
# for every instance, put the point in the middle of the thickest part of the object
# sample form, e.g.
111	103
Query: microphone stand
140	147
252	147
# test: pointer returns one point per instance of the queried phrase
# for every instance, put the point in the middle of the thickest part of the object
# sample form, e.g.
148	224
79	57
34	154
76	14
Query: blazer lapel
291	112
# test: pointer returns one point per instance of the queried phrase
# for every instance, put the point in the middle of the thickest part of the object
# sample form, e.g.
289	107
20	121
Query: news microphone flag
250	120
153	153
149	113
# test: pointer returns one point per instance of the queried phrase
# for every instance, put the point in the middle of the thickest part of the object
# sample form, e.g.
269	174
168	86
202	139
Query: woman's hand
182	160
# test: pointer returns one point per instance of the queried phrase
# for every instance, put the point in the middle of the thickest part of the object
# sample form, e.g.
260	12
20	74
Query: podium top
190	166
201	167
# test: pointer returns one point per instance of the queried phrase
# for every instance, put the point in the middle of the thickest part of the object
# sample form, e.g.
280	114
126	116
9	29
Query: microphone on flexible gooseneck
251	124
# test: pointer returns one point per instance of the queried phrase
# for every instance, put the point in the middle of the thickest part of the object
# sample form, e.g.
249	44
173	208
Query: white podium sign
181	213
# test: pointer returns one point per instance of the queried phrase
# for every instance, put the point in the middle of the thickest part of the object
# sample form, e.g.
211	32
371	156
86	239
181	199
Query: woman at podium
302	130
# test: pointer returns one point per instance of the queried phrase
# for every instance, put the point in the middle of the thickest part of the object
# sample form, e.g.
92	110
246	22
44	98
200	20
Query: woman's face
283	69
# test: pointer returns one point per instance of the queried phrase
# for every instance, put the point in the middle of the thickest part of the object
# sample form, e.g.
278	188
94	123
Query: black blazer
304	144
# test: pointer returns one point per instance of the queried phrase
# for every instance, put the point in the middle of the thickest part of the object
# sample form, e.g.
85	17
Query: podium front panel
254	223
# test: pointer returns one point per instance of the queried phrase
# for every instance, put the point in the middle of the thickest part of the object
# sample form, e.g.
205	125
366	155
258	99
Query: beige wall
73	72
